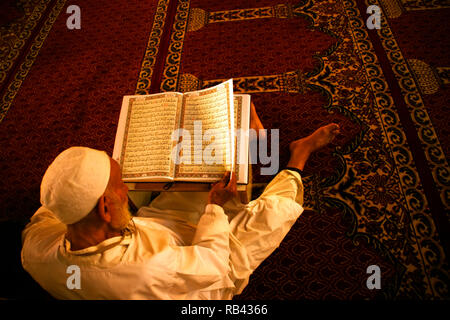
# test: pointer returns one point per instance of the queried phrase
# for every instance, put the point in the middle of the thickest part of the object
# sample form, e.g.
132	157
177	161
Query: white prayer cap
74	182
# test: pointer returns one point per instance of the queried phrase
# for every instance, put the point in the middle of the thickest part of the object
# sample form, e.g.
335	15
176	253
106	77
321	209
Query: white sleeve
259	229
41	219
205	263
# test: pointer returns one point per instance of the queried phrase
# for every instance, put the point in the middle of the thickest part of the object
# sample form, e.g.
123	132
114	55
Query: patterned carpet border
427	134
26	65
422	234
21	39
151	52
424	229
172	67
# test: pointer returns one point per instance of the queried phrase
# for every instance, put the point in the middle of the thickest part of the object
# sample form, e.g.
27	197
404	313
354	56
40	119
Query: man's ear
103	208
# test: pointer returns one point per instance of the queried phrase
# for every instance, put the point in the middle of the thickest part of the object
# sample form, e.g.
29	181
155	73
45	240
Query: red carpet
71	94
379	195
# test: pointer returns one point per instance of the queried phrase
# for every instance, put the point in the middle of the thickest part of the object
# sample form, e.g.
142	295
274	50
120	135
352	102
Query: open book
188	136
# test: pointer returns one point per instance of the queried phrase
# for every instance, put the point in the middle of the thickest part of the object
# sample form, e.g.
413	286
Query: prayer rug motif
198	18
70	93
373	181
16	28
291	81
428	79
395	8
427	134
151	52
398	215
25	65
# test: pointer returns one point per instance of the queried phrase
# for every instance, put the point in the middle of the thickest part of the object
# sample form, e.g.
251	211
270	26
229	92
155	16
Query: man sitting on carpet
83	243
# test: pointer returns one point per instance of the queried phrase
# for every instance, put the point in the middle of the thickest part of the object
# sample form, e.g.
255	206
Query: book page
147	140
242	124
208	117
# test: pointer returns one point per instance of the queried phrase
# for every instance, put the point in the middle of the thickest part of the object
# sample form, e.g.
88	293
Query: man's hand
223	190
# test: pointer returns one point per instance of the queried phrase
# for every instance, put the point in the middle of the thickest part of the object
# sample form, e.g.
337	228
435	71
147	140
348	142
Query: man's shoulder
42	236
44	225
44	217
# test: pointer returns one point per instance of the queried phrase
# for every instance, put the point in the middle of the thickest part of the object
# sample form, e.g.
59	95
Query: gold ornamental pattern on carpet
377	172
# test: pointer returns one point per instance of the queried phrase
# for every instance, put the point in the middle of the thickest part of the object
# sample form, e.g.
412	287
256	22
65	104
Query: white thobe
180	248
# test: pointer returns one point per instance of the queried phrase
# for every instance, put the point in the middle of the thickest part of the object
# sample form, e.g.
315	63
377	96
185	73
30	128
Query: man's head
85	184
112	207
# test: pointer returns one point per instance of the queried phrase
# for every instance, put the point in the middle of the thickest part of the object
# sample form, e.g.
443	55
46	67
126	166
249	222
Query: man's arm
42	218
205	263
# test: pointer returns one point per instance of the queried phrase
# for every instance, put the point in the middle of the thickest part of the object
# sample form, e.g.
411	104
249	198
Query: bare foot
301	149
318	139
255	123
